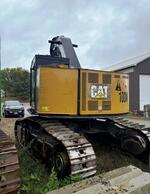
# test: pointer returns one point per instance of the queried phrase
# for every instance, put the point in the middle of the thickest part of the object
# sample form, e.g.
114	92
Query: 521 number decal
123	97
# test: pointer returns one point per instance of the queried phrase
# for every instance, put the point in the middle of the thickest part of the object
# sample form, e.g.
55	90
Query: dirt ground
7	125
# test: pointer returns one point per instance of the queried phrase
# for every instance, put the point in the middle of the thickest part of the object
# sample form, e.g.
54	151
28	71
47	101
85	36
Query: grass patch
36	179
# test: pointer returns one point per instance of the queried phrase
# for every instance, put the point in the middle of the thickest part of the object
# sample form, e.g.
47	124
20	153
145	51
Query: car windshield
12	103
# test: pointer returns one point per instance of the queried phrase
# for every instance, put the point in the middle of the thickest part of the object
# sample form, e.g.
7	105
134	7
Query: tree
15	82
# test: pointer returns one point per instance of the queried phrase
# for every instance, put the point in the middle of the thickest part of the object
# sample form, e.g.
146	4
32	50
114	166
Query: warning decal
118	86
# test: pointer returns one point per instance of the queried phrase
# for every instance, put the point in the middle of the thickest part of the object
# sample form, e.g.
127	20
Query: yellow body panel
106	93
57	92
99	93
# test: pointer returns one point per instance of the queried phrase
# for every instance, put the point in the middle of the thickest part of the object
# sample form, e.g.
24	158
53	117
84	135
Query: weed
36	179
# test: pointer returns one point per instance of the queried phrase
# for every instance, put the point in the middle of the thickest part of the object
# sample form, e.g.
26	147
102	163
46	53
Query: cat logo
99	91
118	87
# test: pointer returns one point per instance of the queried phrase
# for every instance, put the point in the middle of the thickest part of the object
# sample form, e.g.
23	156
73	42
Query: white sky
107	31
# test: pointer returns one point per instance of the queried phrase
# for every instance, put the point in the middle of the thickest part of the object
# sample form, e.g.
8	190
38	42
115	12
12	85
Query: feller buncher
70	103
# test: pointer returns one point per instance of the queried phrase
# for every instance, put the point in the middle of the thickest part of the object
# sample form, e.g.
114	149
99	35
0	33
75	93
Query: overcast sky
107	31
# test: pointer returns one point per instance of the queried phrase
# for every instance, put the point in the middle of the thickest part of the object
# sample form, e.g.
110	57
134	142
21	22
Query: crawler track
9	167
67	147
56	142
135	136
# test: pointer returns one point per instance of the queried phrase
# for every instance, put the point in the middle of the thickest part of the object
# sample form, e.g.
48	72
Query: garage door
144	90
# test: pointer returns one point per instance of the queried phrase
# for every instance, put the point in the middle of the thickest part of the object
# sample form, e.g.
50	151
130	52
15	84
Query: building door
144	90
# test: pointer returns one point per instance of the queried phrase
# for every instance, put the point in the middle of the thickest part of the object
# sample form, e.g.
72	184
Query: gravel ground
144	121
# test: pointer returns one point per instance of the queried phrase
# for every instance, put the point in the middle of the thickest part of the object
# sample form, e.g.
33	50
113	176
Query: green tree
15	82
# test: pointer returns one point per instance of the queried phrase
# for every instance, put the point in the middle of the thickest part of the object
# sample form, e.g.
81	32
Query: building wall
131	91
141	68
134	82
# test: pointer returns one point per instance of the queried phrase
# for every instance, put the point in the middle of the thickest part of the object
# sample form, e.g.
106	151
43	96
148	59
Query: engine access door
103	93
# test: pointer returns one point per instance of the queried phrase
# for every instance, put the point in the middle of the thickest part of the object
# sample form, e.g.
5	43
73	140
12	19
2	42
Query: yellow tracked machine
70	103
